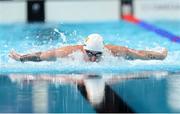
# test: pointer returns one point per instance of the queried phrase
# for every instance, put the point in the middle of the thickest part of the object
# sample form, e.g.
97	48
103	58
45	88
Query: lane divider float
150	27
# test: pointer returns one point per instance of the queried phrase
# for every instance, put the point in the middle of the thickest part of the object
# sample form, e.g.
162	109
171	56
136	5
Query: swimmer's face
94	56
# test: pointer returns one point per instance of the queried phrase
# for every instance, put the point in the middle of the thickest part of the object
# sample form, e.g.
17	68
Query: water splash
116	33
109	64
62	35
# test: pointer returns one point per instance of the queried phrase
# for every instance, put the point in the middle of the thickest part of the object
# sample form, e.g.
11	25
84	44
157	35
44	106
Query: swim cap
94	42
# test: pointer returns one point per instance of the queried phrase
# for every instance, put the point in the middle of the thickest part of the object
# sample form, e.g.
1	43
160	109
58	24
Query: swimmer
92	50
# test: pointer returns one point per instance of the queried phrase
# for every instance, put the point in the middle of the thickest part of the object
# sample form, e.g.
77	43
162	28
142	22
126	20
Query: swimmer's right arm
50	55
36	57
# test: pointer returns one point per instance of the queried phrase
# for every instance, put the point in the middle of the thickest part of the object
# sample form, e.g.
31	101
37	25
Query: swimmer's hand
164	53
14	55
159	55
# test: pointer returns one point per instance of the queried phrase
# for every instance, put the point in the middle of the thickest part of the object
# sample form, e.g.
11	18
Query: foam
109	64
24	40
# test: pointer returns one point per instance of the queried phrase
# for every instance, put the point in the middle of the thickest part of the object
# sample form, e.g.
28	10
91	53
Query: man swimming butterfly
92	51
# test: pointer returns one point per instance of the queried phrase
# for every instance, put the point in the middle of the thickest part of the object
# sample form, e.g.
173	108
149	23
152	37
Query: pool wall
59	10
86	10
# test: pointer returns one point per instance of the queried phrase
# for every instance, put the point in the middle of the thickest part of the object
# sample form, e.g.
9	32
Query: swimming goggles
93	53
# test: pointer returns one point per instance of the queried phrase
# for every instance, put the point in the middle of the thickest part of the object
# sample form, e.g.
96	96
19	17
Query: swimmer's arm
59	52
131	54
67	50
146	55
36	57
50	55
118	51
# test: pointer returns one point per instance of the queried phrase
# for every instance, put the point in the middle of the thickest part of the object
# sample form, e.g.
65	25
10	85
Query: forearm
36	57
145	55
148	55
39	56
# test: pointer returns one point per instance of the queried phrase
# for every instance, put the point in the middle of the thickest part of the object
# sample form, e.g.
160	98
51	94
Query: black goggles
93	53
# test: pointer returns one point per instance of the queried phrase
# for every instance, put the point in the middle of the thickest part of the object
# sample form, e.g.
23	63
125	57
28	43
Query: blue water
160	95
156	90
171	26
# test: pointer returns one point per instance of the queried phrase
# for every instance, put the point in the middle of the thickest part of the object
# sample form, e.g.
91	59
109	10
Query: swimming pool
152	85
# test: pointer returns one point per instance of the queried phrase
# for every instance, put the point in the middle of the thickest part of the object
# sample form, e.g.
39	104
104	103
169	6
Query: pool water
62	86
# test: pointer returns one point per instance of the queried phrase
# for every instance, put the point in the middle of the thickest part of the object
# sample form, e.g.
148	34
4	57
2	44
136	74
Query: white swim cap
94	42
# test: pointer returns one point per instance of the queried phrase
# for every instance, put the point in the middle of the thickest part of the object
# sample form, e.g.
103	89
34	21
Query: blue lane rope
150	27
159	31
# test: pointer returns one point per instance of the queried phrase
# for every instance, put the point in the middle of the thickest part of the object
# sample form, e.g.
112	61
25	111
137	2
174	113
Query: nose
93	59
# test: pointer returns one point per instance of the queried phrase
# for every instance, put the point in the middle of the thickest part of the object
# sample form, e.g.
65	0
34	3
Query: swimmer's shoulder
117	50
66	50
115	47
71	48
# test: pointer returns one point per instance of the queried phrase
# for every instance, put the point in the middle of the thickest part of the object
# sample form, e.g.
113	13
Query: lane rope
150	27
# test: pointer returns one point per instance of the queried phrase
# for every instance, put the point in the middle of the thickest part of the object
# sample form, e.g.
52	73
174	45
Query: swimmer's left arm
146	55
131	54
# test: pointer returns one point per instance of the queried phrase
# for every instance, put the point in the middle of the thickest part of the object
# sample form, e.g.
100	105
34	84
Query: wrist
21	59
